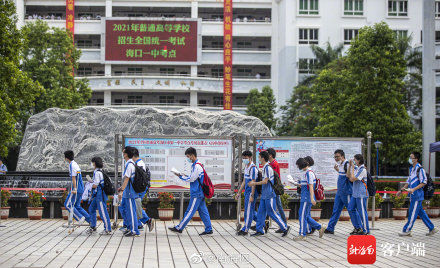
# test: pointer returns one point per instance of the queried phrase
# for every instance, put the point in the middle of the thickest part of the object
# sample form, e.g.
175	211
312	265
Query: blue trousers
341	201
357	208
268	207
280	209
144	218
73	201
100	205
305	219
249	211
122	209
416	209
196	204
130	215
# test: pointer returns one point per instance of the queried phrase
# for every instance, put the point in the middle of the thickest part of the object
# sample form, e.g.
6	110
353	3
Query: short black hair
247	153
191	151
69	155
135	152
129	151
265	155
272	152
341	152
417	155
98	162
309	160
301	163
359	158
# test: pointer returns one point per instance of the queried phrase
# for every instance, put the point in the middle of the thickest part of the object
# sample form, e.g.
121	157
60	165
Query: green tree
262	105
17	90
365	93
50	57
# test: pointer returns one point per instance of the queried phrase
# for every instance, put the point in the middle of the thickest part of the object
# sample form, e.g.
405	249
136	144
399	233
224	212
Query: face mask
91	165
189	160
410	161
246	162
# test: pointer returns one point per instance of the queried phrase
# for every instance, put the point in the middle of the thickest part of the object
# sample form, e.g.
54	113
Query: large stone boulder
91	131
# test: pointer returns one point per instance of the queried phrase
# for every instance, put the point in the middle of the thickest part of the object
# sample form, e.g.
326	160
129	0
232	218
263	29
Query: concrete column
194	9
108	8
428	95
193	98
108	69
193	70
107	98
19	4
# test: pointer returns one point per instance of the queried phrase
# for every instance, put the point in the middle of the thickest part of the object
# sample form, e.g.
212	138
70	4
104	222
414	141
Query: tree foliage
262	105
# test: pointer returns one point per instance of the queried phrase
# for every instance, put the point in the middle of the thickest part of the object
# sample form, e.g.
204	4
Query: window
203	102
349	34
134	99
437	9
437	36
118	101
166	71
398	8
308	36
166	99
244	44
84	71
401	33
218	44
132	70
306	66
308	7
354	7
84	43
217	72
242	72
218	101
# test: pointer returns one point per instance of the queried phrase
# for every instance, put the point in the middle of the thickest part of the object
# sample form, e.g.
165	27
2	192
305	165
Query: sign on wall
320	149
163	154
227	55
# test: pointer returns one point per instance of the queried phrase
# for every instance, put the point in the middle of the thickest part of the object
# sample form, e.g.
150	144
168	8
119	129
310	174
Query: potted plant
377	208
4	212
285	205
35	203
166	207
433	210
399	212
315	211
64	210
196	216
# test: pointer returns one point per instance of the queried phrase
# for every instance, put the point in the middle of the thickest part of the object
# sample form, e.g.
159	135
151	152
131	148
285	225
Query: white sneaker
405	233
105	232
299	238
432	232
81	221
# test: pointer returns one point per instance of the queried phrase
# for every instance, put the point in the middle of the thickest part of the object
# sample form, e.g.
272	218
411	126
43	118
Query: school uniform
73	201
197	199
250	174
305	219
343	196
268	202
416	199
357	208
4	169
276	168
145	218
128	199
99	201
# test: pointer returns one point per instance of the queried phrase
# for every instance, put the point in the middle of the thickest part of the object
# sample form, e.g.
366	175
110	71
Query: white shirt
196	172
130	170
75	169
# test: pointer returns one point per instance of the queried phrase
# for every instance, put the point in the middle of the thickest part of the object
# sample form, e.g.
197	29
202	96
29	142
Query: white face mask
410	161
189	160
91	165
246	162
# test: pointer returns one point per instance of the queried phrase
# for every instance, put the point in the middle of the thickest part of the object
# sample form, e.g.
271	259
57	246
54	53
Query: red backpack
319	189
207	187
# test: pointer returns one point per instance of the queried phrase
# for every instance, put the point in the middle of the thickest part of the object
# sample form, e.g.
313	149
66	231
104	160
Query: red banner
227	55
70	15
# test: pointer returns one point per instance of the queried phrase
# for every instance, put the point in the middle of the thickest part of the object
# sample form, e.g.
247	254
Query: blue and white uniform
145	217
415	207
250	174
4	169
73	201
197	200
343	196
99	201
128	199
357	208
305	219
268	202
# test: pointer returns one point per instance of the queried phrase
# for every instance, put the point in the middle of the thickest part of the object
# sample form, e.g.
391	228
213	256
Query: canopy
434	147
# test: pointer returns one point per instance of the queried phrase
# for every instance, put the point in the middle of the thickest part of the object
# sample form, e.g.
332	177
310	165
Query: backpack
109	188
258	188
318	190
207	187
371	186
277	186
428	189
141	179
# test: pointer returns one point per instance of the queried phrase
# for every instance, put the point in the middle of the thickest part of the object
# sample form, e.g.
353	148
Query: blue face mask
189	160
246	162
410	161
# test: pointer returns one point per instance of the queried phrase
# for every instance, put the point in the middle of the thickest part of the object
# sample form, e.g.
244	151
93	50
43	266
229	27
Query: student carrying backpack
207	186
428	189
141	179
277	186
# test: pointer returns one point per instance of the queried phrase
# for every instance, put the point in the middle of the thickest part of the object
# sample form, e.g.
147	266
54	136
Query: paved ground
46	243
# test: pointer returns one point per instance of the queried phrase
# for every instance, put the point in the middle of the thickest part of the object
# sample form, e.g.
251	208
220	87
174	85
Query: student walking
276	168
197	199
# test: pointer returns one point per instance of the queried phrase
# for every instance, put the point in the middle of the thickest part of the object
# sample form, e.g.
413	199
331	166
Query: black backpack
428	189
141	179
371	187
277	186
109	188
258	188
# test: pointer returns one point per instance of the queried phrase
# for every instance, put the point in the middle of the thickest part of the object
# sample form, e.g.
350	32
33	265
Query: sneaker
174	229
91	230
242	233
279	231
311	232
286	232
150	224
123	229
432	232
206	233
299	238
254	228
266	226
140	227
405	233
81	221
130	234
127	232
355	231
327	231
105	232
322	231
257	234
